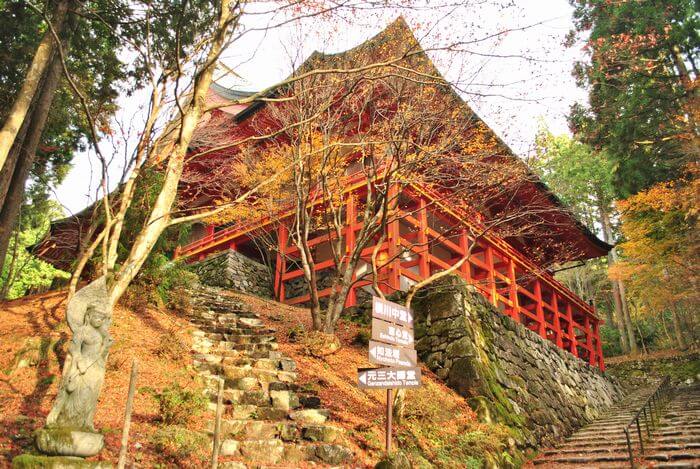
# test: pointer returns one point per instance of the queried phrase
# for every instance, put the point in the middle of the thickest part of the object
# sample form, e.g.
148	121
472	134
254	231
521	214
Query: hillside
439	428
33	340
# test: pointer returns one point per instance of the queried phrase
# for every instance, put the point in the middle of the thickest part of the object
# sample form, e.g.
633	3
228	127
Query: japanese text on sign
389	378
383	354
391	312
390	333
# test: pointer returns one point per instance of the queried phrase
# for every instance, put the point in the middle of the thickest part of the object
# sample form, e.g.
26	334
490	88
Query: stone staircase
268	419
676	441
602	443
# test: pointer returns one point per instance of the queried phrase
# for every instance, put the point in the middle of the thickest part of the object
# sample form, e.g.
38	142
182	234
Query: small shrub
139	297
178	405
319	344
180	301
362	338
171	346
296	333
177	443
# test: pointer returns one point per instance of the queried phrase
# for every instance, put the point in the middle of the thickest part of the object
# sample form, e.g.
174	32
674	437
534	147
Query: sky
511	67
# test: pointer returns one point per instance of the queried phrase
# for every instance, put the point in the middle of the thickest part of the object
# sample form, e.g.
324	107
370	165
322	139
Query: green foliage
161	282
639	89
22	271
177	443
362	337
611	341
178	405
580	176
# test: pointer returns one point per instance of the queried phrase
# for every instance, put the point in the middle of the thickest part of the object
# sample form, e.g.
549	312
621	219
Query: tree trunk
677	327
11	163
40	62
13	201
89	312
617	287
11	271
631	336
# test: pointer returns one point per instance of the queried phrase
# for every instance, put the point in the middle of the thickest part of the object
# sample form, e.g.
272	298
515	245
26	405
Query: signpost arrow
383	354
388	378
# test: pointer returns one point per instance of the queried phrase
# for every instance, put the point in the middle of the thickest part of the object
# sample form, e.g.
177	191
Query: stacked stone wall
508	373
231	269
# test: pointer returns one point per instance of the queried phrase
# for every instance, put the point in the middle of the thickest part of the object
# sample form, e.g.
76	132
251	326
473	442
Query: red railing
507	278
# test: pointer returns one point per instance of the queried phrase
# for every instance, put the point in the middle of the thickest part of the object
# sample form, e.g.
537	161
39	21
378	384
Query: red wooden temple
428	235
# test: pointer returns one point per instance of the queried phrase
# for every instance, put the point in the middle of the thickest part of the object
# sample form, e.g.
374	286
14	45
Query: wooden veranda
424	237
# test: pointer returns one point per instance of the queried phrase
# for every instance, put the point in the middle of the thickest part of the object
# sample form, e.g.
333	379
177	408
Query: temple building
427	232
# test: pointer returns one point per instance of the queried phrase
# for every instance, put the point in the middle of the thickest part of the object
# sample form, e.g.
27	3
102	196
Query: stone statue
89	317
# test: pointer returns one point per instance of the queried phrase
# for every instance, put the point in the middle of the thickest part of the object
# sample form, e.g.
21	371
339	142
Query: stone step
242	430
687	464
671	455
264	347
239	338
584	458
267	419
257	354
275	451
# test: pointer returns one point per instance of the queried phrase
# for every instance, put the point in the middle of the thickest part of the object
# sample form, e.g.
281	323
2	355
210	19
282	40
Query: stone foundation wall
231	269
508	373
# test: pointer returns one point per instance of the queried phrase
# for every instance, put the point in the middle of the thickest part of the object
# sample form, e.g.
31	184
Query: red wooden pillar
394	240
515	305
571	331
281	264
557	320
176	254
539	309
423	261
589	339
210	231
493	292
350	221
464	245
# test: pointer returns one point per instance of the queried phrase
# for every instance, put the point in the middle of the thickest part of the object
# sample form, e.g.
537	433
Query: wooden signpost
391	345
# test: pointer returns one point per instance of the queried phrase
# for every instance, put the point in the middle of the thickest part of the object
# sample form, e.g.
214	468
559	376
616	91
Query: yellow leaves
662	249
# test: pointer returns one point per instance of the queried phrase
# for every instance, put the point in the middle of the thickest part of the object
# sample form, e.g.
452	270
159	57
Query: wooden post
515	311
423	262
389	412
394	241
572	331
491	276
557	319
281	263
350	222
127	415
541	327
465	268
589	341
217	425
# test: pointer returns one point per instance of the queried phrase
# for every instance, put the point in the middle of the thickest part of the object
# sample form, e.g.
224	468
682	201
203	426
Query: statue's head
95	317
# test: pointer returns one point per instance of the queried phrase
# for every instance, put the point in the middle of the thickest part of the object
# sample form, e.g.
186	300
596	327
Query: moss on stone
36	461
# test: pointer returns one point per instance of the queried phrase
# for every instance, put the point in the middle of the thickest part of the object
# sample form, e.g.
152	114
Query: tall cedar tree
642	81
